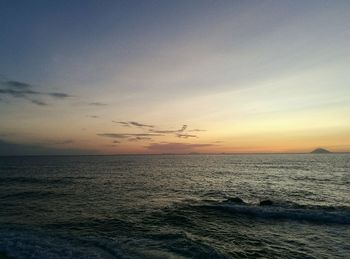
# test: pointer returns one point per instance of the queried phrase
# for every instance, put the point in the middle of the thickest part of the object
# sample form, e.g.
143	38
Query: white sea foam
312	214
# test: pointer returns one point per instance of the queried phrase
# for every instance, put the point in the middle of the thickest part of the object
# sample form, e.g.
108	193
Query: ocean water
174	206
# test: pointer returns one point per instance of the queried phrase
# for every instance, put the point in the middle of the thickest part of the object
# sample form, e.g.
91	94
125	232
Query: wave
312	214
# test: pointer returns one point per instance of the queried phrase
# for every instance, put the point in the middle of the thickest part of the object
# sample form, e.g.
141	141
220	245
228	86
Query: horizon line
189	154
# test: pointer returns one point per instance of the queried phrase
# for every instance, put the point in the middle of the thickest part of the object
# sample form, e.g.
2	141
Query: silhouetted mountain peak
320	151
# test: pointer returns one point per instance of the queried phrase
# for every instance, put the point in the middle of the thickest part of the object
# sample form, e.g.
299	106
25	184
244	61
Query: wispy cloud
123	123
138	124
197	130
183	128
59	95
186	136
16	84
149	132
127	135
18	93
113	135
134	123
37	102
139	139
178	132
97	104
16	89
93	116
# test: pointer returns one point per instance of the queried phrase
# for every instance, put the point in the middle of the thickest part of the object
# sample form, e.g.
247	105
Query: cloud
139	139
97	104
116	141
134	123
37	102
138	124
93	116
127	135
16	84
124	123
196	130
59	95
16	89
183	128
18	93
175	147
113	135
186	136
180	133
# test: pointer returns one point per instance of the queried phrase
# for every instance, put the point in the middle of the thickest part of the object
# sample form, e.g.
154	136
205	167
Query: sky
132	77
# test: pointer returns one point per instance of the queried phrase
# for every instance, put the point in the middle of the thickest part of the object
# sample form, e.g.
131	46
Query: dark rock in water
320	151
235	200
266	203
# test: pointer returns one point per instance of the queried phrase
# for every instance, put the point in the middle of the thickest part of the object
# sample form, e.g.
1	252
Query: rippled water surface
174	206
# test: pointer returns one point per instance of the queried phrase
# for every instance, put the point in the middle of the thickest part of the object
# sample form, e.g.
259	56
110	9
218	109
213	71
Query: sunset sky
116	77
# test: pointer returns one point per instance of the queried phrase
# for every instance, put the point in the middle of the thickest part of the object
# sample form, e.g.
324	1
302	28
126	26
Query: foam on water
315	215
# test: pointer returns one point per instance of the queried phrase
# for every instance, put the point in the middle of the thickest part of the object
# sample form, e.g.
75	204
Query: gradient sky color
112	77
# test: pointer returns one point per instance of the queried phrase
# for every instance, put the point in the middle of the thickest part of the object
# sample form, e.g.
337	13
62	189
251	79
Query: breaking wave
317	215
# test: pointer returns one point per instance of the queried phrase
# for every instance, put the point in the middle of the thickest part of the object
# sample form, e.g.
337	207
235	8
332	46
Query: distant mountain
320	151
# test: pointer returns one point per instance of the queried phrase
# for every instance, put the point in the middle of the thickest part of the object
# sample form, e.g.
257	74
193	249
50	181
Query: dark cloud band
16	89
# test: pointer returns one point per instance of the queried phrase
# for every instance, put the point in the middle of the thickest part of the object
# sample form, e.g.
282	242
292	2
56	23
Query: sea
175	206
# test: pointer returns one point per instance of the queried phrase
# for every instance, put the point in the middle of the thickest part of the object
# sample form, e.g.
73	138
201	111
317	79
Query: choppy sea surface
174	206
